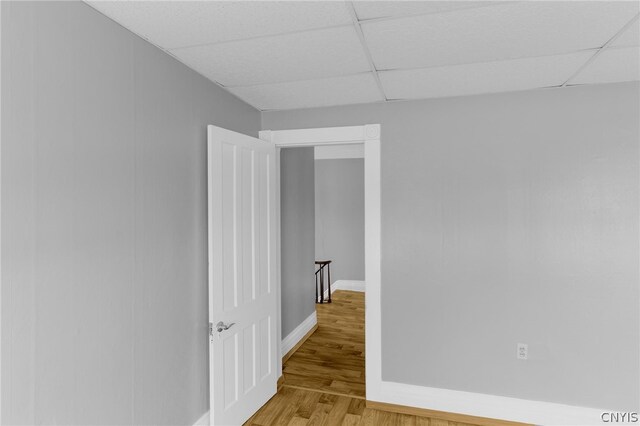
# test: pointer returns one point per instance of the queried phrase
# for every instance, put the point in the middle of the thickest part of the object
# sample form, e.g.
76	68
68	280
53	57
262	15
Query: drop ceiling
299	54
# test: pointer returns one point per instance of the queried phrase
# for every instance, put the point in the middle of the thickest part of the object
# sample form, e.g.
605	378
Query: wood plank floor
324	381
332	359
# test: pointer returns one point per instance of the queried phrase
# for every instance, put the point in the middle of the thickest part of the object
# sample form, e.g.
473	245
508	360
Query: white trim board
298	333
350	285
278	253
1	6
338	152
483	405
369	136
479	405
322	136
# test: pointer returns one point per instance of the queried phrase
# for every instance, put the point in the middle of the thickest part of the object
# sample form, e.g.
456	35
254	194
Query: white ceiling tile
630	37
486	77
304	56
172	24
505	31
612	65
386	9
345	90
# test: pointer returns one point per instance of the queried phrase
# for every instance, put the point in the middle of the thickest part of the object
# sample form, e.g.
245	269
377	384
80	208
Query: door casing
369	135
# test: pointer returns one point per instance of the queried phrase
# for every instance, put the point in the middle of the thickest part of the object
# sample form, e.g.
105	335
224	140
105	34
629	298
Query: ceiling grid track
290	56
418	15
235	86
260	37
599	51
165	50
358	28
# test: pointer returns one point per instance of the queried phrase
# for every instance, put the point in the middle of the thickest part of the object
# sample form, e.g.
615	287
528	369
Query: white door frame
369	135
0	216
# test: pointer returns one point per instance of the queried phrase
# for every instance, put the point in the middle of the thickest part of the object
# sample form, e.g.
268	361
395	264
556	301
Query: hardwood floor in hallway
324	380
332	358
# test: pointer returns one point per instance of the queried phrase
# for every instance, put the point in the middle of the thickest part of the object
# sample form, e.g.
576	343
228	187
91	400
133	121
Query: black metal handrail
320	280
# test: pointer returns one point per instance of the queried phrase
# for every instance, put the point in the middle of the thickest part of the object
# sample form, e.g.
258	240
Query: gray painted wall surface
509	218
104	221
298	237
340	216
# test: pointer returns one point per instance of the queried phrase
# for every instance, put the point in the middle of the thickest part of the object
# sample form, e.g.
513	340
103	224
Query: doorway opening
322	208
353	318
245	274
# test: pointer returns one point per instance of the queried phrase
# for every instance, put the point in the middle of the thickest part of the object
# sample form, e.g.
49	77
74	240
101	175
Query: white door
242	274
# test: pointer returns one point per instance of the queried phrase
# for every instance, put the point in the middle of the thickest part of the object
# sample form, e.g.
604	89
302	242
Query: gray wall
340	216
298	238
104	226
509	218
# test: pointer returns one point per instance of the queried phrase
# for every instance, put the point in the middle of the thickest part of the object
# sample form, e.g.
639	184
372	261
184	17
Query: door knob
222	326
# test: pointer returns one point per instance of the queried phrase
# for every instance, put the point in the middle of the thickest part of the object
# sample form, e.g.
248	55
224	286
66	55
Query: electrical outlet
523	351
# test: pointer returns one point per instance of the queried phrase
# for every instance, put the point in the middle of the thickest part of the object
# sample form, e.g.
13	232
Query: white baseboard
203	421
348	285
298	333
345	285
479	405
483	405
